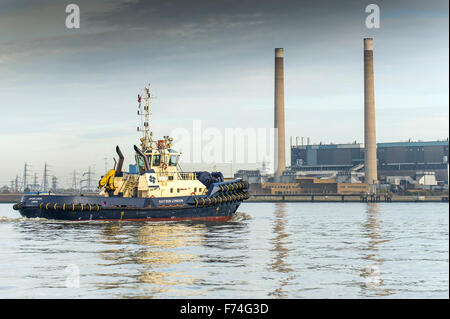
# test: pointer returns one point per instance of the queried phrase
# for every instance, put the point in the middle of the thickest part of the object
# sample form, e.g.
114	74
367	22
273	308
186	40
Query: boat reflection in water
162	251
155	250
280	247
373	281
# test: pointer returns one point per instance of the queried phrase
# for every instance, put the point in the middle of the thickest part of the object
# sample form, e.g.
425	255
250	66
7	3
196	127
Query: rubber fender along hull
57	207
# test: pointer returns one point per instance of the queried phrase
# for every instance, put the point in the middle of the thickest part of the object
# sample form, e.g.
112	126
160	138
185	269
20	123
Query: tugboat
155	190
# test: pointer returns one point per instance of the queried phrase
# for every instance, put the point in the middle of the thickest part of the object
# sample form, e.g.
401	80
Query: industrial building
393	159
312	185
298	185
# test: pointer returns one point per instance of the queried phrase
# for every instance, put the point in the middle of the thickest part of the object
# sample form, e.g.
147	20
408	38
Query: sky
68	96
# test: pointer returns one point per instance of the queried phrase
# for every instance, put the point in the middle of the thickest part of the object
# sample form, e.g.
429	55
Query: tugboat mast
147	138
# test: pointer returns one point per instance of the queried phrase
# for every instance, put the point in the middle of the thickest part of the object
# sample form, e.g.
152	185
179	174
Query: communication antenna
144	112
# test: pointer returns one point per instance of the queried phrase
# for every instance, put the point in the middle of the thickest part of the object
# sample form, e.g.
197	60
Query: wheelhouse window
173	160
140	164
156	160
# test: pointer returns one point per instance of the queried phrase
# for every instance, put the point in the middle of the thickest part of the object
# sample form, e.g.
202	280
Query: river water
270	250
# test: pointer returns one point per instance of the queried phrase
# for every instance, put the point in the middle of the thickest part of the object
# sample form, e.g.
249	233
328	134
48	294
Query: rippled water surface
282	250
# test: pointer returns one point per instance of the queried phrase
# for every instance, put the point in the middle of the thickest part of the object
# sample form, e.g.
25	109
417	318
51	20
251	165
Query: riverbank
338	198
14	198
10	198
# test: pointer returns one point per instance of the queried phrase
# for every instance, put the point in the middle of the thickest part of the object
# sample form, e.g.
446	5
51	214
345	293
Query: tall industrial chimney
280	156
370	144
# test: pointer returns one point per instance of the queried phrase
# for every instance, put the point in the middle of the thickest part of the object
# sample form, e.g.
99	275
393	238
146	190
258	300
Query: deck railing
180	175
186	176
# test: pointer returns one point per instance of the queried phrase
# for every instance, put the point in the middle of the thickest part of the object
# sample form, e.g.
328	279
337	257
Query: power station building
393	159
